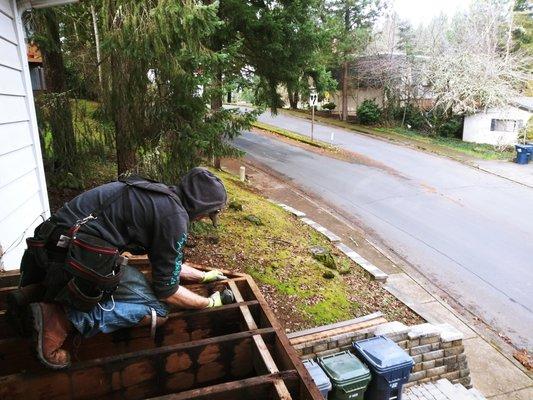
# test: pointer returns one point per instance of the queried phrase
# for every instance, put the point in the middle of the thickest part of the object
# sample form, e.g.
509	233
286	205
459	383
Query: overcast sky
422	11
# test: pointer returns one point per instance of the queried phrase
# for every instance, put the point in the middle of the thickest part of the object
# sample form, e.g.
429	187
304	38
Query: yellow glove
213	275
215	300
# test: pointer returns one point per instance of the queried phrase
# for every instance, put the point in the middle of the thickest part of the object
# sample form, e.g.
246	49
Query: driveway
470	232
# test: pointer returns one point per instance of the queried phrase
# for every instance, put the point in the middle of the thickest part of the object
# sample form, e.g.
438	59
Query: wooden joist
243	389
235	351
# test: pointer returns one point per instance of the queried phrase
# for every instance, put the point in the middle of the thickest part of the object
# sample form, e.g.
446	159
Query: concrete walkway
494	375
443	389
506	169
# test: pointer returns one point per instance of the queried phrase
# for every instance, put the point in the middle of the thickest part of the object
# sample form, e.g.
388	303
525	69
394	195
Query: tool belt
80	269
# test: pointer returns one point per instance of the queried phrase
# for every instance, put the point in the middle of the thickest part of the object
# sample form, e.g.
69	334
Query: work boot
17	307
52	327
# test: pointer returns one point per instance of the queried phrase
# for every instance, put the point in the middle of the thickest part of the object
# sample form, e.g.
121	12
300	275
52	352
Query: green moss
277	254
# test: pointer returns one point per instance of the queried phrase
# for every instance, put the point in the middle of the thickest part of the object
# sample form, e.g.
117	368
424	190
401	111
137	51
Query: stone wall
437	350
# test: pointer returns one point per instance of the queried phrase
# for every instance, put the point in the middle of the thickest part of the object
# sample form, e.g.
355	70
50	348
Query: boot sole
38	324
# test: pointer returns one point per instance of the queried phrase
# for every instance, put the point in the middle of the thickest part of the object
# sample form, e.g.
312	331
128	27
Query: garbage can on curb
348	375
522	154
319	377
390	366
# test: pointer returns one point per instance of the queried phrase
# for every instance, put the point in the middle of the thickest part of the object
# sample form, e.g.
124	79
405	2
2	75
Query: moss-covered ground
276	253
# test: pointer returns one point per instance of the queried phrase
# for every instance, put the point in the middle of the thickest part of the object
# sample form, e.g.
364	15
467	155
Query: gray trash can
319	377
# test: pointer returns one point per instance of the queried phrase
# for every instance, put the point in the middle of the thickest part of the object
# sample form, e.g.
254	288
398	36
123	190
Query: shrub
368	112
450	127
413	117
329	106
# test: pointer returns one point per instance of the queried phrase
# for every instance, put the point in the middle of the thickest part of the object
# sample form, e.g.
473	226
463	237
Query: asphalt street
469	231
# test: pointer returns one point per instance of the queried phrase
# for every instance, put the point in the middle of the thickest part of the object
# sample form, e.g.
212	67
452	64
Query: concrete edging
376	273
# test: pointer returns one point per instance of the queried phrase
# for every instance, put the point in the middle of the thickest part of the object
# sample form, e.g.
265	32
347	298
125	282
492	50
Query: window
505	125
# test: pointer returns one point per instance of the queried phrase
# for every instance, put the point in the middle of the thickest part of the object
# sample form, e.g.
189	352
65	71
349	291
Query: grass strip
294	136
450	147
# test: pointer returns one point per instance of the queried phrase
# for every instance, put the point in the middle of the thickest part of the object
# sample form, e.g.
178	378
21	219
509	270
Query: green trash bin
349	376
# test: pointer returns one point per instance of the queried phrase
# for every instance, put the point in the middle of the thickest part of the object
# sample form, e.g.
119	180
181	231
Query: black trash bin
390	366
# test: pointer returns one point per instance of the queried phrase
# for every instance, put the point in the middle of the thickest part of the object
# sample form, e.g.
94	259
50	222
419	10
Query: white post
332	136
312	120
242	174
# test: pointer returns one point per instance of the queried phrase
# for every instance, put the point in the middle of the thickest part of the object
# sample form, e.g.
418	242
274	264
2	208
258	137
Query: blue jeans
133	300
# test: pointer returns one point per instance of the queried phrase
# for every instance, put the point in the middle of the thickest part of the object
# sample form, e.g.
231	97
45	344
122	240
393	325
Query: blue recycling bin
523	153
390	366
319	377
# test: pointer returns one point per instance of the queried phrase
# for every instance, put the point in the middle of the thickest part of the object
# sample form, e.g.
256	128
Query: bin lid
319	376
382	353
344	367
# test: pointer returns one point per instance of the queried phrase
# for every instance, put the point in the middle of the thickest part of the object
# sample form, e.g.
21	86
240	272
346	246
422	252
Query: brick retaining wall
437	350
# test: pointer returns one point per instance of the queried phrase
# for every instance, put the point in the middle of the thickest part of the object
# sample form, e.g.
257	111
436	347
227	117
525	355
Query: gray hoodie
157	222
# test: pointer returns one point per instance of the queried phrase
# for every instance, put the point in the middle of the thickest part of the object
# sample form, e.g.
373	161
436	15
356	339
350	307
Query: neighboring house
377	77
23	196
499	126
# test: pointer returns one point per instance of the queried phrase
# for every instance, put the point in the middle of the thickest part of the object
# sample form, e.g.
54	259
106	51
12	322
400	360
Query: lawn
275	251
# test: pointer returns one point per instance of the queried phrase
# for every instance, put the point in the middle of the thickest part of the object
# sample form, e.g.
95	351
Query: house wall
23	197
356	97
477	127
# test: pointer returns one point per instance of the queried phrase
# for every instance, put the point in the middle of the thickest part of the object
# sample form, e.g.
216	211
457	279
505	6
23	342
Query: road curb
376	273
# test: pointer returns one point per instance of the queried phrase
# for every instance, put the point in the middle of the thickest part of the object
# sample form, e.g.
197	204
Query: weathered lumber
9	278
145	373
261	351
314	337
256	388
233	352
335	325
284	351
17	353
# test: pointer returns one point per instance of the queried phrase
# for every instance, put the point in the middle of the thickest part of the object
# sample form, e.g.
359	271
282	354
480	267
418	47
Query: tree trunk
60	114
228	98
216	98
344	112
216	104
294	97
124	131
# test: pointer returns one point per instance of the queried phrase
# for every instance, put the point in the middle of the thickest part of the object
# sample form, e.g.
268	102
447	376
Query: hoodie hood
201	192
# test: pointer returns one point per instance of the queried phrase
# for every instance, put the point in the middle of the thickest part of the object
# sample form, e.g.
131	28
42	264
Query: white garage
499	126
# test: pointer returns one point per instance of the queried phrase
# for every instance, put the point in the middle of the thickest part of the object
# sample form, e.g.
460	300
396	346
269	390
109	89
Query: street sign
313	99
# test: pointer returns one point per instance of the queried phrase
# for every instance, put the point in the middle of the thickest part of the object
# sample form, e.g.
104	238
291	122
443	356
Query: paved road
469	231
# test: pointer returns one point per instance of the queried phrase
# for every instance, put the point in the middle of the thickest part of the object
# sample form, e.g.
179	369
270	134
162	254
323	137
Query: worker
74	278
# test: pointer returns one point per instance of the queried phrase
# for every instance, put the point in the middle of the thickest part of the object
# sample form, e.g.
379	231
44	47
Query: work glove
218	299
215	300
213	275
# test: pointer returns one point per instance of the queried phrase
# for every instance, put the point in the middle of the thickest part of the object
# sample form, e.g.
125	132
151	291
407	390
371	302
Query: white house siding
23	198
477	127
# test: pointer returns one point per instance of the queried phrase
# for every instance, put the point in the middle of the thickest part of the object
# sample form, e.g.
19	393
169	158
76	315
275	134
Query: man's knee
147	320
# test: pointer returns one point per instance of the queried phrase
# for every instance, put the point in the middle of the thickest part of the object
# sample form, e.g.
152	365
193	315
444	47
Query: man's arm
184	298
